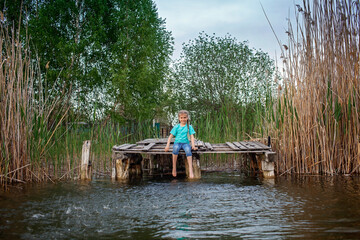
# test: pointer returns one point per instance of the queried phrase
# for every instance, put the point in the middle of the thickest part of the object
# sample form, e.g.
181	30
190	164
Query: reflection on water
220	205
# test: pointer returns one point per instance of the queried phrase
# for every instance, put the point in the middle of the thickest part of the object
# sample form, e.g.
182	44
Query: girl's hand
167	148
194	148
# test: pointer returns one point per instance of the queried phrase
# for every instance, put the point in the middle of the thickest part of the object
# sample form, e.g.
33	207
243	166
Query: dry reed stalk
319	111
15	77
24	113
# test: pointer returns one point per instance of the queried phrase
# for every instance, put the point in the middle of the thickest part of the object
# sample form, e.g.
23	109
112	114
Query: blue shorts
185	146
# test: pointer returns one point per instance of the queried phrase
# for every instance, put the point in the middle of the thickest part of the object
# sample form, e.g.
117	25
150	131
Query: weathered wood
155	149
122	168
267	167
127	165
240	146
128	147
199	143
150	145
249	145
208	145
120	147
196	167
113	173
151	164
261	145
124	146
160	151
135	169
85	168
154	140
232	146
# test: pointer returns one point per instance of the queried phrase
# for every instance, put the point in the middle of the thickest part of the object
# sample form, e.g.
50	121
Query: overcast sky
242	19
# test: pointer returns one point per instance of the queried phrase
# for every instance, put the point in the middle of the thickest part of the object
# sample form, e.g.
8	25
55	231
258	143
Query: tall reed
16	75
316	119
26	132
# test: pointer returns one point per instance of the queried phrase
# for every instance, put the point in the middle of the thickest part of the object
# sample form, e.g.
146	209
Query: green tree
219	76
141	60
102	53
214	71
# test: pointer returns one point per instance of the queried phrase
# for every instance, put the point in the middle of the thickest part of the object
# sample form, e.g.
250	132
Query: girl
181	132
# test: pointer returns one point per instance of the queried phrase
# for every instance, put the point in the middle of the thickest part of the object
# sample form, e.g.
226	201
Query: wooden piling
121	164
85	168
267	165
126	166
196	166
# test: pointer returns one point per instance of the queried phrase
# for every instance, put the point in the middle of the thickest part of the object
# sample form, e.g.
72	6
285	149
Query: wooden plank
157	146
120	147
249	145
128	146
208	145
254	145
146	141
199	143
154	140
245	145
154	152
116	147
261	145
232	146
242	147
147	147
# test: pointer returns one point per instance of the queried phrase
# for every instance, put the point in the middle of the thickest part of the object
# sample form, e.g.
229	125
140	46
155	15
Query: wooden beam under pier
154	147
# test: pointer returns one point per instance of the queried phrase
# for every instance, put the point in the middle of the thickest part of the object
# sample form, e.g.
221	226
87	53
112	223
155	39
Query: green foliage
216	71
141	60
224	79
104	53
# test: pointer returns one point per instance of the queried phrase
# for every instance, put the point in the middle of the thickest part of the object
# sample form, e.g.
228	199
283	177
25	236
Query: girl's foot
174	172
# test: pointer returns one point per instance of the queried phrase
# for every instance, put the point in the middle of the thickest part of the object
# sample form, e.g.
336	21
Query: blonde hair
184	112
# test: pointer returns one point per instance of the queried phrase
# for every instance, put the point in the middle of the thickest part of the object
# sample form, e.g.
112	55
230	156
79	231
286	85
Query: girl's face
183	118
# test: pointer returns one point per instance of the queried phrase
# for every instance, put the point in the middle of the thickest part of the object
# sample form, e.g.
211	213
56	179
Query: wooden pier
129	160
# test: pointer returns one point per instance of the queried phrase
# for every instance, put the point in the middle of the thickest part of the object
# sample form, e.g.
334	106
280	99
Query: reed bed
66	153
26	129
16	74
316	119
38	139
236	123
232	123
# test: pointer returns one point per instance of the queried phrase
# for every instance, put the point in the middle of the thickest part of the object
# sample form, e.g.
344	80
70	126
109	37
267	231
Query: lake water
219	206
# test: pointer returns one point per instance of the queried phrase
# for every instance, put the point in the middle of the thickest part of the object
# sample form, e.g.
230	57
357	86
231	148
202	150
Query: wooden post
122	163
151	164
113	173
196	166
268	165
126	166
135	169
85	168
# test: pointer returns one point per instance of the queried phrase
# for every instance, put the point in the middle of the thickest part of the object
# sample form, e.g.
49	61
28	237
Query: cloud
242	19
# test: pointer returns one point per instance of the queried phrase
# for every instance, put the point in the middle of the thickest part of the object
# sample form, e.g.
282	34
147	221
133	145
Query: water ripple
220	205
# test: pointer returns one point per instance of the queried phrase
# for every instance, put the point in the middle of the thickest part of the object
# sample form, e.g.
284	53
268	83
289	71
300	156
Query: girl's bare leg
191	173
174	158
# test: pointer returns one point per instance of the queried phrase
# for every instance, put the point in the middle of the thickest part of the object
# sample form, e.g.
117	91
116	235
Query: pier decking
157	146
128	158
